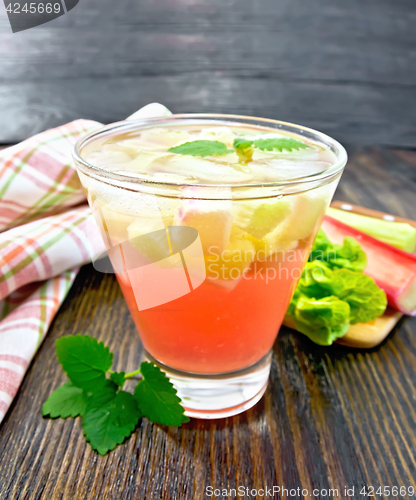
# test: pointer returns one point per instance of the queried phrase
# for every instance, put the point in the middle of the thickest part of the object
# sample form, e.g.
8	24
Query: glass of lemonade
208	244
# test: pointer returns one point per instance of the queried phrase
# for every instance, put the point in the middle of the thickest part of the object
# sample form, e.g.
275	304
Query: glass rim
129	125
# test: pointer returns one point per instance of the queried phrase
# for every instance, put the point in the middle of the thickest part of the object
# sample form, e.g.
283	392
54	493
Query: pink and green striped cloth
43	241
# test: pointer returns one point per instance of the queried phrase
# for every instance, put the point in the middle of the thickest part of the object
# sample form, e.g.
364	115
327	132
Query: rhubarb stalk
392	269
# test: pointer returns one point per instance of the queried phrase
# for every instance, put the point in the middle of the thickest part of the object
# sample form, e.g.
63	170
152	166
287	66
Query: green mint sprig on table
109	414
243	146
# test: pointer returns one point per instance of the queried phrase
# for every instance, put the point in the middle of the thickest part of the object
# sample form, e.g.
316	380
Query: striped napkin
44	222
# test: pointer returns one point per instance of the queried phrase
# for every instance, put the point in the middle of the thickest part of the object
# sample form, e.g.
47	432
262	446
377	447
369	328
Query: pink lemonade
208	246
215	328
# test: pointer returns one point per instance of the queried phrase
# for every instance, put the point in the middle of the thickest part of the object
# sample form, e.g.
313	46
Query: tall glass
208	307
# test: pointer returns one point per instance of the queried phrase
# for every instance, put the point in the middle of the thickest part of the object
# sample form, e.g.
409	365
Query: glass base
218	396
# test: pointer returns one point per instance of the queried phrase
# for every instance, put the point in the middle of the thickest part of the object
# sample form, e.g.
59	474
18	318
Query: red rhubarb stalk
392	269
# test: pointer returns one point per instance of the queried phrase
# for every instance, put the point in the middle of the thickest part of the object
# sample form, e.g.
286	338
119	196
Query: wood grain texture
330	417
346	68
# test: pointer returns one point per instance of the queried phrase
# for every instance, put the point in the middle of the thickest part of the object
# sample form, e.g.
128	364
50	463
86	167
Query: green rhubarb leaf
85	360
333	292
316	280
367	301
66	401
107	424
156	397
202	148
349	255
323	320
279	144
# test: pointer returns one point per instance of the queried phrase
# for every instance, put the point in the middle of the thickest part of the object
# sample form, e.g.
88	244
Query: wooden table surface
346	68
331	416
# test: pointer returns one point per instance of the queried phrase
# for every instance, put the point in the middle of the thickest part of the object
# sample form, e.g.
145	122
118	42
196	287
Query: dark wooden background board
331	416
347	68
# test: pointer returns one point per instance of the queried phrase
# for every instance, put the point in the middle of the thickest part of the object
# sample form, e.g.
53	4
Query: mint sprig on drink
95	393
244	147
202	148
279	144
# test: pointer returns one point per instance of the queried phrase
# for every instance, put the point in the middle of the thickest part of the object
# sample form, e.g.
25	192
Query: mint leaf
279	144
85	360
102	395
66	401
108	424
156	397
201	148
119	378
109	414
